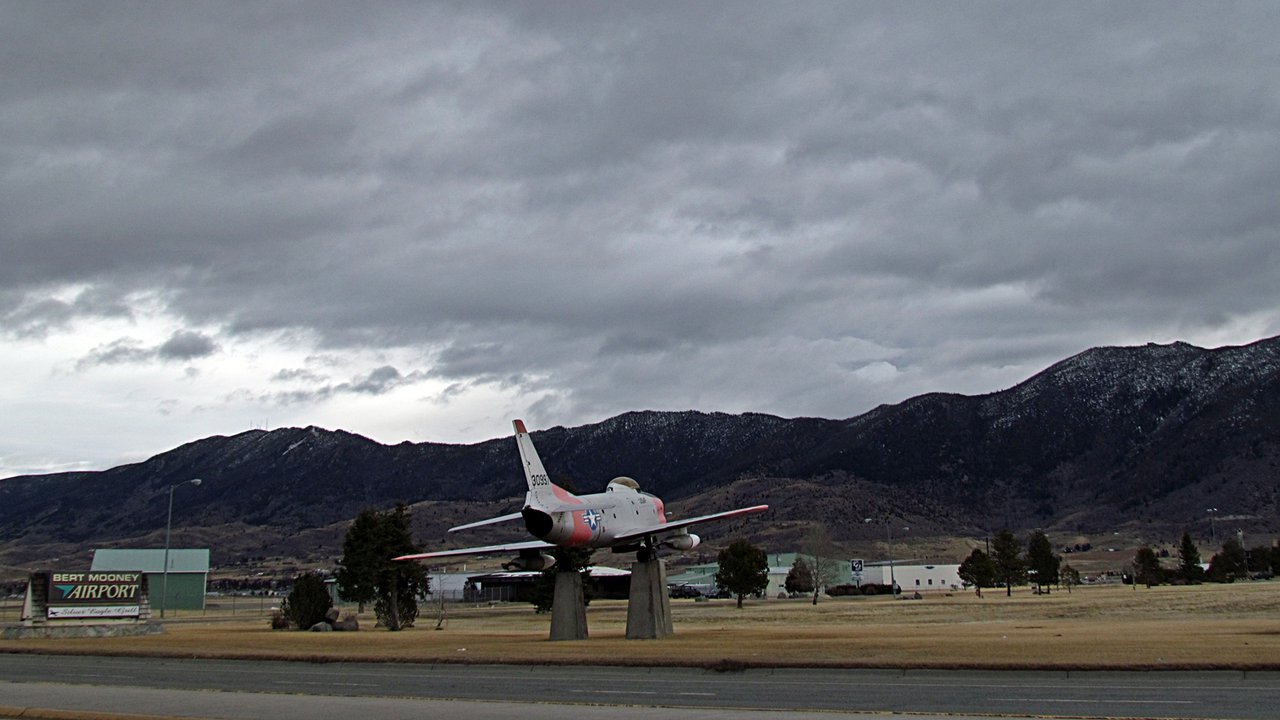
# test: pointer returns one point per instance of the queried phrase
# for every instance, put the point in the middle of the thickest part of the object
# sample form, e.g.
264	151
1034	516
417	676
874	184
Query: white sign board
93	611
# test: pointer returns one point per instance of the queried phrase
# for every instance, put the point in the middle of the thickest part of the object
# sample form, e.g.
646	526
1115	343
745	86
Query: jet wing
485	550
677	524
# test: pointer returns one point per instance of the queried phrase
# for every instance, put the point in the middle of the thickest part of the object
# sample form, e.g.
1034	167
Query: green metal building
186	580
703	577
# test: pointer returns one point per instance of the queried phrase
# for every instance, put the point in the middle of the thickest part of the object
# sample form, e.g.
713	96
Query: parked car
683	591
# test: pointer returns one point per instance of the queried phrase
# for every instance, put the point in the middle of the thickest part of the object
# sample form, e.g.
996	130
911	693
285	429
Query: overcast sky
418	221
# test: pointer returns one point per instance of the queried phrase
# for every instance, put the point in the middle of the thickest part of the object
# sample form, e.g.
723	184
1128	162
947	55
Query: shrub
840	590
307	602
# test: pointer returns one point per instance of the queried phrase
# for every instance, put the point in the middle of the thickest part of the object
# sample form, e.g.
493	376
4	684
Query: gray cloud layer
182	346
379	381
797	209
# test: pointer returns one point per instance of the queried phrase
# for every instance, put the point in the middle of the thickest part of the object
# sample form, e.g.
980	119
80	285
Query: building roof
189	560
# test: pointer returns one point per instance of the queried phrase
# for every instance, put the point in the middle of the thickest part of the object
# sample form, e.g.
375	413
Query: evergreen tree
1042	561
399	583
1229	564
307	602
978	570
1146	567
366	572
1189	561
799	577
1007	554
1259	559
744	569
362	557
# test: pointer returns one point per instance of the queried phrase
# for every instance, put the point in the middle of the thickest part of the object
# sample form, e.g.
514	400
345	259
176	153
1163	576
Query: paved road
85	702
44	681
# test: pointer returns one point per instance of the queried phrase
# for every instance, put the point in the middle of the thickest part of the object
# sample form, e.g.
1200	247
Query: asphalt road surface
372	691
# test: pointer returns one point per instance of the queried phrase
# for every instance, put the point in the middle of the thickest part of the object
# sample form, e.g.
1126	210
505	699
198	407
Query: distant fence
449	596
499	593
247	605
10	610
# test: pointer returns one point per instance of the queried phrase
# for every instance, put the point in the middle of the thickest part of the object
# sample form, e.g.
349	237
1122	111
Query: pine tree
1229	564
1042	561
307	602
1189	561
978	570
1007	555
744	569
1259	559
362	556
1146	567
399	583
367	572
799	577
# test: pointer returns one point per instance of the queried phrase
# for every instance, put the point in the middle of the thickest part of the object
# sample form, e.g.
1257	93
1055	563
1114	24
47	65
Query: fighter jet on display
621	518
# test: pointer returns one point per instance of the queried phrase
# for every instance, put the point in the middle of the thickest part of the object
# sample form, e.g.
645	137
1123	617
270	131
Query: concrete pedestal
649	607
568	613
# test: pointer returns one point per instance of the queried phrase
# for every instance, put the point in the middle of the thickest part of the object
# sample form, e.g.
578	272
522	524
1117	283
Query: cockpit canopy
622	483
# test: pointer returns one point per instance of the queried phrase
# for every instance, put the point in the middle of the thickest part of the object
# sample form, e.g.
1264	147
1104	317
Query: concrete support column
649	607
568	612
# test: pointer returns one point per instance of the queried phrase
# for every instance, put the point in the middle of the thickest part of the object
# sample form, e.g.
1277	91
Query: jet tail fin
543	494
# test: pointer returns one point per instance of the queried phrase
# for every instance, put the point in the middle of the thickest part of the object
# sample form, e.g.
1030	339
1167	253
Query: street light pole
893	582
168	527
1213	530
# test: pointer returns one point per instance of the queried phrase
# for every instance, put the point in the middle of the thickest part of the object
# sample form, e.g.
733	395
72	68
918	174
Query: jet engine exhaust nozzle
538	523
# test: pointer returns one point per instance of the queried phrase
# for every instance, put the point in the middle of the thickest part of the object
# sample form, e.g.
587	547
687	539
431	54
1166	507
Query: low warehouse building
605	583
187	578
913	577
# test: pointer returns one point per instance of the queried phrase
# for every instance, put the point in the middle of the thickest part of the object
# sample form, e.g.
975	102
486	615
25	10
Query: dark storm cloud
182	346
728	206
35	314
186	345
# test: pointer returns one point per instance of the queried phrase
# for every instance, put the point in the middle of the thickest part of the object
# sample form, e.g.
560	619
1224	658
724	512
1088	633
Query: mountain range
1140	440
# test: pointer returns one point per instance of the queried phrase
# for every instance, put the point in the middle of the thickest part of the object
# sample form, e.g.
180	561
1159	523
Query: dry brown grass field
1207	626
